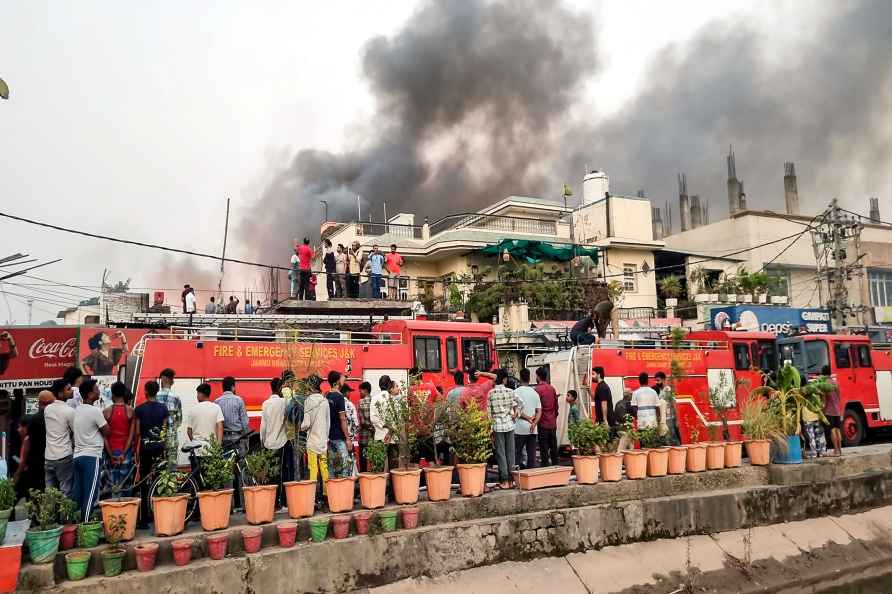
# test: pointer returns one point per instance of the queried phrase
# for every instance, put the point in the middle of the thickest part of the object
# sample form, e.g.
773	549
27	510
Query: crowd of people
190	304
344	267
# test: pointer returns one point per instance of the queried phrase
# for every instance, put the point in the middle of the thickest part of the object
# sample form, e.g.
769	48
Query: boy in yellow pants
316	423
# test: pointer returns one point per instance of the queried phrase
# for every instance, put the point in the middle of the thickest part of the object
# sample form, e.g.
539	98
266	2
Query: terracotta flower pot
759	451
635	462
405	484
287	534
260	503
586	469
410	517
696	457
252	539
439	482
611	466
169	514
146	555
361	519
733	454
372	489
77	564
538	478
340	526
472	479
340	494
182	551
120	506
658	462
68	538
715	455
301	498
217	545
678	456
214	507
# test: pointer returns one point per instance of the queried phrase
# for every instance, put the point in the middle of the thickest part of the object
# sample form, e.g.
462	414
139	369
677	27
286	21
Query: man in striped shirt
646	403
503	405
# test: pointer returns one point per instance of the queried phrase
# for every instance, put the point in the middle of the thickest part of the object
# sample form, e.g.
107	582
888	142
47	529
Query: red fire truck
731	364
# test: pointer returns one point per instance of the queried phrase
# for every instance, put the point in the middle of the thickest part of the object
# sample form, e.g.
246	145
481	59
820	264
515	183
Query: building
452	247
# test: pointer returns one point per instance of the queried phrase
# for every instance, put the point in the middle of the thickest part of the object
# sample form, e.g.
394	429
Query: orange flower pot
260	503
214	507
635	462
759	451
715	455
696	457
169	514
472	479
340	494
611	466
733	454
301	498
538	478
586	469
678	456
372	489
658	462
439	482
120	506
405	484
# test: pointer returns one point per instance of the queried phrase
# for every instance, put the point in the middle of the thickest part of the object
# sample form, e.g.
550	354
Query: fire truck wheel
854	428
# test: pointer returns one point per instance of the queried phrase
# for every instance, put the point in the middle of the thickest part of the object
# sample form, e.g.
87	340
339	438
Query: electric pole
837	245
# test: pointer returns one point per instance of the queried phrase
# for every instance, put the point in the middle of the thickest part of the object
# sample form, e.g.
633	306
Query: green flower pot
112	560
88	534
4	522
319	529
388	520
43	544
77	564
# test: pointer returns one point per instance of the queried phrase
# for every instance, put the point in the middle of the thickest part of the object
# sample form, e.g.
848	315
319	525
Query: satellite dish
4	89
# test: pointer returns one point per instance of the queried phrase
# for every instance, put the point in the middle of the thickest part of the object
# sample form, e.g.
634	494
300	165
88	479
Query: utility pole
837	245
30	306
223	256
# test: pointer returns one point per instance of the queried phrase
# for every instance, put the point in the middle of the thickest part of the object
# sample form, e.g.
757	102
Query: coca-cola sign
42	348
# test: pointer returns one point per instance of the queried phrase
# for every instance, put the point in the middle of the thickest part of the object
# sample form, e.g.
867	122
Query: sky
139	120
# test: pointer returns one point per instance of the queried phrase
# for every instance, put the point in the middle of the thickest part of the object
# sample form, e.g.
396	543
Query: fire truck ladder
581	377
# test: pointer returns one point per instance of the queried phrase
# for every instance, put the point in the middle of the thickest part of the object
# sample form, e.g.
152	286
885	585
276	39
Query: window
763	355
451	353
816	356
880	288
427	353
864	356
842	356
476	354
630	278
741	356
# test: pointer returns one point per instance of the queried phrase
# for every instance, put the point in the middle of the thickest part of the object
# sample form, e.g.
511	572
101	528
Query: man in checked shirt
503	406
235	426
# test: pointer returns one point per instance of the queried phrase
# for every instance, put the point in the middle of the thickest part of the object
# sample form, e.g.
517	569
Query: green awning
534	252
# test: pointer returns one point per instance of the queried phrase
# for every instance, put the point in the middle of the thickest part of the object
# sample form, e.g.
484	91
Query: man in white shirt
273	435
645	403
204	421
190	301
525	433
59	417
317	420
90	430
377	409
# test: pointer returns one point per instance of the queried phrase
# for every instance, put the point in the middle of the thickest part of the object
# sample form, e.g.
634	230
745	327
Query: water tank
595	186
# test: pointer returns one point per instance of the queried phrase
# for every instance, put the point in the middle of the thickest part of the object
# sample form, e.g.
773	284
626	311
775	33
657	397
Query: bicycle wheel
187	487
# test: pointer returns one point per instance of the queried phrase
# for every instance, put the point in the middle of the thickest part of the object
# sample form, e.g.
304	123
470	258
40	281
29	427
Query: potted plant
671	289
68	517
634	461
373	484
470	439
215	500
120	507
760	427
588	439
89	532
113	556
657	452
168	504
7	502
77	564
396	413
610	461
428	416
43	535
339	491
787	403
262	469
696	455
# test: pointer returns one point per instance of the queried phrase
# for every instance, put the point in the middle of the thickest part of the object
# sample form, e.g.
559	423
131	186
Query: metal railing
399	230
499	223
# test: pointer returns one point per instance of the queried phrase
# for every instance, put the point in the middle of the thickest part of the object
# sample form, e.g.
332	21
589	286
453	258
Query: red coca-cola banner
40	355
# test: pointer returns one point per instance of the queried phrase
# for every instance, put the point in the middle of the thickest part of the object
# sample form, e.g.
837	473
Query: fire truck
254	356
731	364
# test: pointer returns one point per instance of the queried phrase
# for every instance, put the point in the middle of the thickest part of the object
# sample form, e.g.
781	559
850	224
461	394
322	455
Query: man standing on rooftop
305	258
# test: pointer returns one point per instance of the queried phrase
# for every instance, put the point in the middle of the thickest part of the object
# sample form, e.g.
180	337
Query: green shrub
470	434
216	467
169	483
44	507
7	494
650	438
588	437
262	467
376	454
